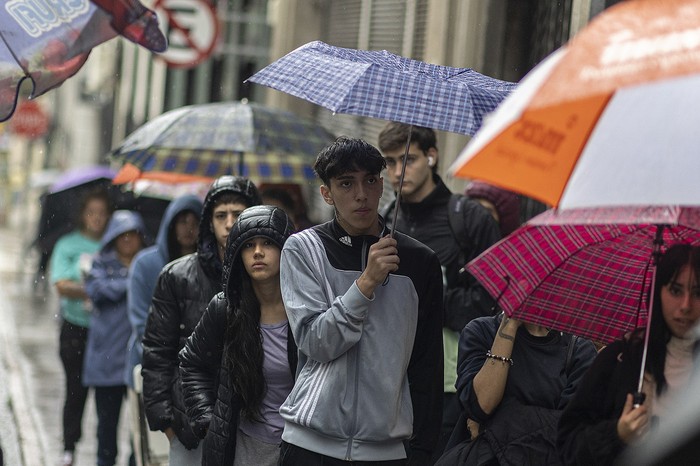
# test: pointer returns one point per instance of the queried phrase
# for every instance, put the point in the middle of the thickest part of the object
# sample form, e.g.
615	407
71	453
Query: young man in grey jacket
366	313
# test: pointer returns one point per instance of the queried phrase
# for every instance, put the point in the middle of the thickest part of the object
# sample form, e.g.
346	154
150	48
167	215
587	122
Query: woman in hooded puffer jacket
239	364
105	352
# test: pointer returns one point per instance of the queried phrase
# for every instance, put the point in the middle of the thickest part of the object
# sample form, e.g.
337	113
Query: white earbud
430	161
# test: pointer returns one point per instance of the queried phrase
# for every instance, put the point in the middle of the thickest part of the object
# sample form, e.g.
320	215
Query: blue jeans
108	401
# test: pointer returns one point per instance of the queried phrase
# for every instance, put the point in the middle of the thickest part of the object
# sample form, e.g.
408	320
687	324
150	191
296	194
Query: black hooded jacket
428	222
212	405
184	288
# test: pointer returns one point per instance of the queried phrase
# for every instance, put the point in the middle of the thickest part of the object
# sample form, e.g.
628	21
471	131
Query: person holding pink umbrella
604	418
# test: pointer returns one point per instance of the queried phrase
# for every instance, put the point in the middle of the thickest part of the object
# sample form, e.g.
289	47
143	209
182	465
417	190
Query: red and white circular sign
29	120
191	28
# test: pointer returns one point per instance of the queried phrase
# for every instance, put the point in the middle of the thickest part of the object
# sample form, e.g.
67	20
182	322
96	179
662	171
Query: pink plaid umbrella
584	271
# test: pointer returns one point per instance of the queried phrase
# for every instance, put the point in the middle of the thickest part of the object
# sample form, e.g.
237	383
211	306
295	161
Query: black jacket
212	406
587	431
428	222
184	289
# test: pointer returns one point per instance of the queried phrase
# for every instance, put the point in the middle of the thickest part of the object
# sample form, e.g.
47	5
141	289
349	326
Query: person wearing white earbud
452	225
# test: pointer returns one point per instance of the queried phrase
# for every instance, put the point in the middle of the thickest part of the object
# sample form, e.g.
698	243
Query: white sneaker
67	458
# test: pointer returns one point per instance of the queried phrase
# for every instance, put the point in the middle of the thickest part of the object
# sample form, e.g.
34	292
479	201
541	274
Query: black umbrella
60	205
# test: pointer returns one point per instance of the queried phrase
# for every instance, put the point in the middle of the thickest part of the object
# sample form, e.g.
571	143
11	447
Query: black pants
71	349
108	401
291	455
451	409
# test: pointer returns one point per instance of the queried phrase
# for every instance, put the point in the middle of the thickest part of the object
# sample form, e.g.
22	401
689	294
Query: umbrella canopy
48	42
382	85
61	203
210	140
607	120
81	176
583	271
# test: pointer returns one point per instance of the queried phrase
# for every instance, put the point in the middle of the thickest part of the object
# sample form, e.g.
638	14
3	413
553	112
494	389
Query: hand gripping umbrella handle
638	399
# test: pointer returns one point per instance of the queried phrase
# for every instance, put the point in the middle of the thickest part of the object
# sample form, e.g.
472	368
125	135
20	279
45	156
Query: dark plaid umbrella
380	84
210	140
48	42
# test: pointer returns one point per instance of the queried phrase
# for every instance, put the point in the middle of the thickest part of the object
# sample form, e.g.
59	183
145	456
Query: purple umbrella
80	176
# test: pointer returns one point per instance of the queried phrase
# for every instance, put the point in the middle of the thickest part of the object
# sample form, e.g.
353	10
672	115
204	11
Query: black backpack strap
569	354
457	225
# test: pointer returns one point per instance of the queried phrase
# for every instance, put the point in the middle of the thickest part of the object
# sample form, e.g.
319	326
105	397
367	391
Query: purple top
279	380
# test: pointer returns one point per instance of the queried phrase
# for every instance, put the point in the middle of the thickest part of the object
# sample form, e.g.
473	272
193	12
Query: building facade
122	85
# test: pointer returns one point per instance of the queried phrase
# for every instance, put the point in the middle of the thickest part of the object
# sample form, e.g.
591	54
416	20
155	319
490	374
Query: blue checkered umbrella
379	84
210	140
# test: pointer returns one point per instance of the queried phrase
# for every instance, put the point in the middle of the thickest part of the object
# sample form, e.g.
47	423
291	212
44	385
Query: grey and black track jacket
370	370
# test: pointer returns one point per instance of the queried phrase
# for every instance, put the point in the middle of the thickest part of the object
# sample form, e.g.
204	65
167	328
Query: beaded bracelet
503	359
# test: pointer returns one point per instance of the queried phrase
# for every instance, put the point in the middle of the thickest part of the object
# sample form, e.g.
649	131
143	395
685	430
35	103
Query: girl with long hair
238	366
602	419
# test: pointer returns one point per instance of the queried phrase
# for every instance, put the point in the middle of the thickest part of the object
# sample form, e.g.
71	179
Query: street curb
25	417
27	444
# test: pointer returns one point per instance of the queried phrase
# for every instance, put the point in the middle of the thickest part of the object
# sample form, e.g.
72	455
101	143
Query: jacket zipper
348	453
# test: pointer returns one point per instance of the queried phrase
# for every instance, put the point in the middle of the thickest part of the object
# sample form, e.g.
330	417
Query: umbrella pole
403	173
658	242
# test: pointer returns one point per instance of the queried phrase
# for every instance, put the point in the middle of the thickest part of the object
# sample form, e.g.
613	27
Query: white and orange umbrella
610	119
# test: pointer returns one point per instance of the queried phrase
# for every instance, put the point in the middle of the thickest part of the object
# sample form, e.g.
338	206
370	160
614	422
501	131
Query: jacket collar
348	240
437	197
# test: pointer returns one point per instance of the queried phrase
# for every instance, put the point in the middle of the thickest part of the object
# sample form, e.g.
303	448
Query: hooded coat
213	406
106	286
183	290
143	275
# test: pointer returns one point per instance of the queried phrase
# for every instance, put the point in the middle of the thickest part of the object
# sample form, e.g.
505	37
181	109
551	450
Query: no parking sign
191	27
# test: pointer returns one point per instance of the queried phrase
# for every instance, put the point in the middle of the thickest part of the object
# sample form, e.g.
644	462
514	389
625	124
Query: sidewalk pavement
31	375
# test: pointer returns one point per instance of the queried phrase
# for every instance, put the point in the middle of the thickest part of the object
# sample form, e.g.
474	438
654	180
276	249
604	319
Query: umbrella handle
638	399
658	242
398	193
403	173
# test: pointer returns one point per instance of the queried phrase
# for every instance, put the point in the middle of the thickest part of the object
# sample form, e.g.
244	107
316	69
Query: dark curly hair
346	155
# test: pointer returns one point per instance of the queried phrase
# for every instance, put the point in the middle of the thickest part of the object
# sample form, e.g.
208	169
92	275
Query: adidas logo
346	240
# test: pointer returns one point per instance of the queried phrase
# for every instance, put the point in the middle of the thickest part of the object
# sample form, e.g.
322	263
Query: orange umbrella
609	119
164	185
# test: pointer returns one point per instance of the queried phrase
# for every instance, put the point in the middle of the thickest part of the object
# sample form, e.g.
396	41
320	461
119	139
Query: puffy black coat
184	288
212	405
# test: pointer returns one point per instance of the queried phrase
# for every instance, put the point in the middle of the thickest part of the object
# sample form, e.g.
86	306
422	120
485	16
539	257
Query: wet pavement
31	375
